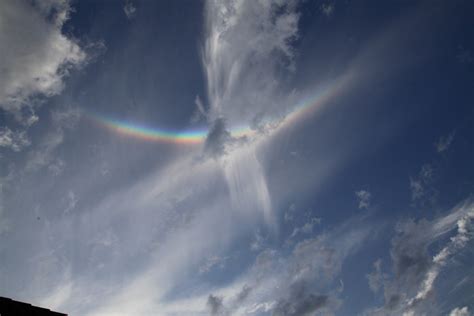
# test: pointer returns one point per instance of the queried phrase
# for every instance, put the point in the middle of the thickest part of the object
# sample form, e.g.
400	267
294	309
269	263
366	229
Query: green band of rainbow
152	134
189	137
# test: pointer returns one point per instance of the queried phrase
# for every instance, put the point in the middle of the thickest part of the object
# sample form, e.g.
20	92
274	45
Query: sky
237	157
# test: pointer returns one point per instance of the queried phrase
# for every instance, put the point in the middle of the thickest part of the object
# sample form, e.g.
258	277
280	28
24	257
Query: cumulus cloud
364	197
36	55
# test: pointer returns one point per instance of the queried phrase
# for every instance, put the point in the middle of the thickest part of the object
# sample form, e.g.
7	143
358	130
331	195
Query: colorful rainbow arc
189	137
152	134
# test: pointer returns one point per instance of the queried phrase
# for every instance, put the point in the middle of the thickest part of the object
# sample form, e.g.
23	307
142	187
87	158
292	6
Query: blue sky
237	157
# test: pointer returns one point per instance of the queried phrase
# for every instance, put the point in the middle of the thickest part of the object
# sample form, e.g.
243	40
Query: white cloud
258	243
290	213
212	262
66	117
298	283
36	56
130	10
444	142
71	201
4	183
421	186
58	296
200	112
247	183
147	222
16	141
410	290
246	42
57	166
464	311
457	242
377	277
416	188
307	228
327	9
280	282
43	153
3	221
364	198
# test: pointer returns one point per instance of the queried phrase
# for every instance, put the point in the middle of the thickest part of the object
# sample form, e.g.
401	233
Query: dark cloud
217	138
410	290
215	305
409	251
300	302
306	278
243	294
411	261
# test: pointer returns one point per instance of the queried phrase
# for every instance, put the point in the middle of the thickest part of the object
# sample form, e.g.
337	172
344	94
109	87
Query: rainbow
146	133
151	134
302	110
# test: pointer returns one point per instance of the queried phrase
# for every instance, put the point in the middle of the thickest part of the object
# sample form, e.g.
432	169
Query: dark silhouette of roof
9	307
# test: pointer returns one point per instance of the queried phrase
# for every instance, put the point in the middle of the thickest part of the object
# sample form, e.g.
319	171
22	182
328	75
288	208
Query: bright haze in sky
237	157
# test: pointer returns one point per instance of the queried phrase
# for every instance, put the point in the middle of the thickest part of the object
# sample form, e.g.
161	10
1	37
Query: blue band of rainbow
196	136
